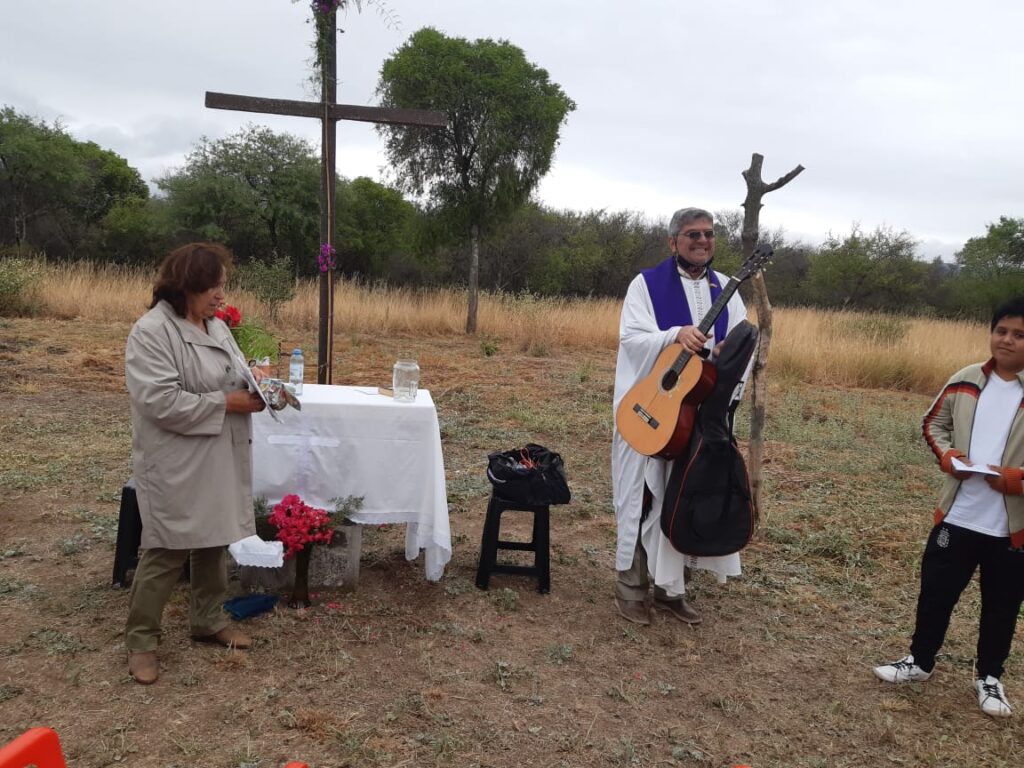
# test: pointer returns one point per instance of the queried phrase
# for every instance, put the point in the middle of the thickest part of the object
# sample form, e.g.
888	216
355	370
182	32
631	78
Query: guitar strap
669	298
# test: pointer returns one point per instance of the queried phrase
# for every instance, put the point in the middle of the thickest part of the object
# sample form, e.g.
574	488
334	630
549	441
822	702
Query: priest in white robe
655	315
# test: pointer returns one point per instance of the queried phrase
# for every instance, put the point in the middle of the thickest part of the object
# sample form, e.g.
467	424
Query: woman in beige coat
191	451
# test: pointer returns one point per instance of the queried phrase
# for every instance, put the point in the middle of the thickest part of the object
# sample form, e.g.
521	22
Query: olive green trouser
633	583
157	573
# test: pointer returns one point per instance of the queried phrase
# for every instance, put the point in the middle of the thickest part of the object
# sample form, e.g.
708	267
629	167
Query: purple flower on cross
326	258
326	6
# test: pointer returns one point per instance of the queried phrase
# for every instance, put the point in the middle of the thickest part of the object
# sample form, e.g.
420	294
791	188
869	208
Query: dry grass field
407	673
847	349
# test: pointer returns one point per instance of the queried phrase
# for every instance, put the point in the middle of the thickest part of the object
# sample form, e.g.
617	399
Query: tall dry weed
94	292
827	348
874	351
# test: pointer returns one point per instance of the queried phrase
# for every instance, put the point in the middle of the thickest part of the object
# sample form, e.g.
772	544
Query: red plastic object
38	746
290	765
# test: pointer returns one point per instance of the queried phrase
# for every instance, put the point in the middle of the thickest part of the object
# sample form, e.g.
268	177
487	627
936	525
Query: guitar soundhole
668	381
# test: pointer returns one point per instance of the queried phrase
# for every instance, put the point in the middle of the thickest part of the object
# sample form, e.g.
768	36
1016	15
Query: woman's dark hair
1012	308
192	268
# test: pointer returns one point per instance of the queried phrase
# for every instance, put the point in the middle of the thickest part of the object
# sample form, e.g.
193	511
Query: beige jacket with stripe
947	430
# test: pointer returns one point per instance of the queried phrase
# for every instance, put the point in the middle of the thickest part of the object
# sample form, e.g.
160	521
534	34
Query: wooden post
756	189
328	187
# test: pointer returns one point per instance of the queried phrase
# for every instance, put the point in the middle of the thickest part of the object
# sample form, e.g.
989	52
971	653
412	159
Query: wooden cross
328	112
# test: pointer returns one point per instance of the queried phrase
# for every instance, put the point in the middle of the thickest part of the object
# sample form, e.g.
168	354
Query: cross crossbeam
391	116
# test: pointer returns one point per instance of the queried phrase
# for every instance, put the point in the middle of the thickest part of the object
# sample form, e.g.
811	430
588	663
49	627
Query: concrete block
333	567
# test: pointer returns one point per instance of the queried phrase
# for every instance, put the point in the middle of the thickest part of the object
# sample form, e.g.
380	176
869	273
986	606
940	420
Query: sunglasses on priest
707	234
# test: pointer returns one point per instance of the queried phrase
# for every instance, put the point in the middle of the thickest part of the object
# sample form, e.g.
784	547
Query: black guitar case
708	510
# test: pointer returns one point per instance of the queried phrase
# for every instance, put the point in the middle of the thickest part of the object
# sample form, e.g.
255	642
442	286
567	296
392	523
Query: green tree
255	191
594	254
55	190
37	167
785	277
134	231
504	116
876	271
990	268
998	254
375	230
109	181
519	248
105	183
565	252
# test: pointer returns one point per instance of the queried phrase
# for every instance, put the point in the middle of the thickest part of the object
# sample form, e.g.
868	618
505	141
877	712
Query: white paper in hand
978	469
254	387
253	550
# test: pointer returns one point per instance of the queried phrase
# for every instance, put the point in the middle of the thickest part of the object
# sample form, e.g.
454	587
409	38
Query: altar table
353	441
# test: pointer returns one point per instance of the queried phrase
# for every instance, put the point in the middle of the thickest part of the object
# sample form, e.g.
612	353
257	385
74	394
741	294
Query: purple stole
669	299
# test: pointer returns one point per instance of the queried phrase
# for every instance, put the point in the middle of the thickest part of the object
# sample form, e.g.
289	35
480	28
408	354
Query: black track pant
951	556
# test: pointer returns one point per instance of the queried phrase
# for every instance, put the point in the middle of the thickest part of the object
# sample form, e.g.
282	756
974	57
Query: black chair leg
541	544
129	538
129	535
489	544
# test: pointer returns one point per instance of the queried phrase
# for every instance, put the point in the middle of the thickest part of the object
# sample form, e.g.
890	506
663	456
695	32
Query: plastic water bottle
296	370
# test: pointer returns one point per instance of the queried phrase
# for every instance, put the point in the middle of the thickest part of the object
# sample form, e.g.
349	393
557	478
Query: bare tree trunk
474	278
756	189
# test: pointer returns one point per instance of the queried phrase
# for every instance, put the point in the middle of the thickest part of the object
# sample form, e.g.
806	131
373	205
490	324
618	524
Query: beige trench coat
192	460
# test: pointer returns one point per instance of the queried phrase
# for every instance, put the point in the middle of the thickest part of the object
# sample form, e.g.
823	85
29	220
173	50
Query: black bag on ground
708	510
532	475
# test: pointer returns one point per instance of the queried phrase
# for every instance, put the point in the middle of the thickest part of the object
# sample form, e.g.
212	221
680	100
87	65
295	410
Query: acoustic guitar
656	416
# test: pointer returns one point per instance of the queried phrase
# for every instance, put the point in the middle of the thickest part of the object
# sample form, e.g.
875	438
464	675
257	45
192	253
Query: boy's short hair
1012	308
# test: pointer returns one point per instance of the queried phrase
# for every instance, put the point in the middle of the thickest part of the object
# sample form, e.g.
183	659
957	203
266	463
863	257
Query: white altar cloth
353	441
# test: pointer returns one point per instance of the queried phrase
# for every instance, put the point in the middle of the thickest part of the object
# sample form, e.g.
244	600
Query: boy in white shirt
975	427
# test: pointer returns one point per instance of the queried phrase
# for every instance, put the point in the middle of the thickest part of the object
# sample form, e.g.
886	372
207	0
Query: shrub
488	346
272	282
19	285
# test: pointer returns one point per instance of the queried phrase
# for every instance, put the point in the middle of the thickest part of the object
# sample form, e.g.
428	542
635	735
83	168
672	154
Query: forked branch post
756	189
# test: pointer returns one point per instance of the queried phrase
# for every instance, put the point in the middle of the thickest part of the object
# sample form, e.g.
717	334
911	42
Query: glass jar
405	379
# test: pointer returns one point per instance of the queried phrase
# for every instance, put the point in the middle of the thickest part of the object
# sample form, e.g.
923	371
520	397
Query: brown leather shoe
633	610
143	666
681	609
230	637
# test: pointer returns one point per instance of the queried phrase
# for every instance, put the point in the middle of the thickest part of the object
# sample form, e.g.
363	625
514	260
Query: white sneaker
902	671
992	698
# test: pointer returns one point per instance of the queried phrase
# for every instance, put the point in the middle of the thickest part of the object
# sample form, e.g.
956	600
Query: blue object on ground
250	605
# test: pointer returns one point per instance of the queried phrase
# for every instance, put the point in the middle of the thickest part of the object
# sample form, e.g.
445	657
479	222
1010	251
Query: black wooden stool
129	536
540	545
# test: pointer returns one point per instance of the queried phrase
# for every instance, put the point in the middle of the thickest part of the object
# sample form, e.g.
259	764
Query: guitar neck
716	308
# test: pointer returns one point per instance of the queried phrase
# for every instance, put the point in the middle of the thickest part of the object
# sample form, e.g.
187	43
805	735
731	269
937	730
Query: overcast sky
905	114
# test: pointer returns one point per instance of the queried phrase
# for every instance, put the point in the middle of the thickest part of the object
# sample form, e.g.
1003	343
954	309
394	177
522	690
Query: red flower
299	524
229	315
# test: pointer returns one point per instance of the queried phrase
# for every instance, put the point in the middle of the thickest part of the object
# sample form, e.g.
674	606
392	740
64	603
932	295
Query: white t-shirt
978	507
